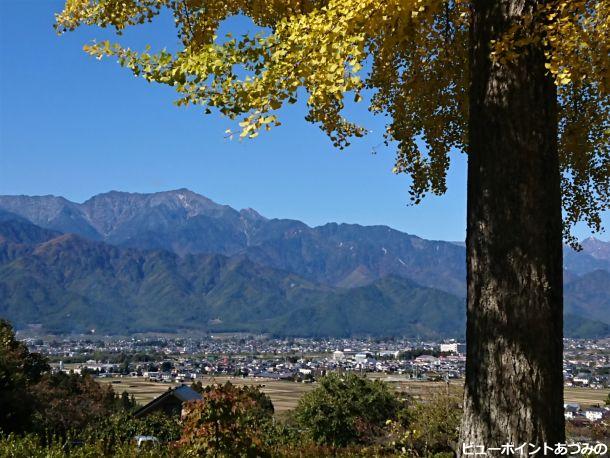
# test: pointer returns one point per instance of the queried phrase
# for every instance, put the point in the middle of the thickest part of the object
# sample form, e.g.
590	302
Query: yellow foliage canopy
410	55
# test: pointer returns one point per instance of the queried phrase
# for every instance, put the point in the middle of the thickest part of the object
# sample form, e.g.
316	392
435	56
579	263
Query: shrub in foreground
33	446
346	409
122	427
428	429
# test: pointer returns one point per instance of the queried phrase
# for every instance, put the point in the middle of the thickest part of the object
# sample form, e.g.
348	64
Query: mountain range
126	262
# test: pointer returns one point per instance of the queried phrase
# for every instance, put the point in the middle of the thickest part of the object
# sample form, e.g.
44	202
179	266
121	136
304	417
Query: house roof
186	393
182	393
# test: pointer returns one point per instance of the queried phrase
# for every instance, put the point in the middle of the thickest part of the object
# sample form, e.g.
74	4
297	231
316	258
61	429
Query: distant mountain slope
69	283
180	221
388	307
583	262
14	229
352	255
589	296
596	248
17	234
578	327
51	212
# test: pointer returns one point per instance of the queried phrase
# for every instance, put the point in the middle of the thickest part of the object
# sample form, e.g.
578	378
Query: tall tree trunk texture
514	382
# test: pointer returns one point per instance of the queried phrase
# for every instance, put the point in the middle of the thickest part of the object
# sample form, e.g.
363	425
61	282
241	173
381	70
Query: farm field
585	396
285	395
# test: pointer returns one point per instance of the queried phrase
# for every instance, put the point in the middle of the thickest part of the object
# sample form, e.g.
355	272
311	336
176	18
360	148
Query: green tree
128	403
521	85
346	409
124	367
19	371
229	421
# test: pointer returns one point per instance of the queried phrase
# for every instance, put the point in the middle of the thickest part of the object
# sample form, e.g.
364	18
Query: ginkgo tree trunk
514	370
521	86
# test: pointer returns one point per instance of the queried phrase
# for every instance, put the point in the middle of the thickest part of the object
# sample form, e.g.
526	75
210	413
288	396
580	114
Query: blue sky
74	126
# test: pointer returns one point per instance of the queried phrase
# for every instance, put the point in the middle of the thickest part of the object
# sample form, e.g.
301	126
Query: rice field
585	396
285	395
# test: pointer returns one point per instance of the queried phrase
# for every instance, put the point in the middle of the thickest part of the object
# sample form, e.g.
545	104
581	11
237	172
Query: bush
429	429
346	409
121	428
31	446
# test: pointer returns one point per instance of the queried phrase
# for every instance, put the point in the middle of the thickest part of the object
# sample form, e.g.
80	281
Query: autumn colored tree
68	403
229	421
521	86
34	399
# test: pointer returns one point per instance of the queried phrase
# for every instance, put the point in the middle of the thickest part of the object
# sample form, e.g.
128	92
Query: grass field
285	395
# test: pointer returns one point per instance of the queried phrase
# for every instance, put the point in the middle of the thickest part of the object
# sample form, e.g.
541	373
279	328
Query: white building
594	414
393	353
361	357
453	347
338	355
426	360
582	379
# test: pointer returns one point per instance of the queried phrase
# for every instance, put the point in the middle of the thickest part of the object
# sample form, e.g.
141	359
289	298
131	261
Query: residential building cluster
179	359
586	363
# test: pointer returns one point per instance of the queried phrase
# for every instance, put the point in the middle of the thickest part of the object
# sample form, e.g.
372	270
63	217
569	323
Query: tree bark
514	336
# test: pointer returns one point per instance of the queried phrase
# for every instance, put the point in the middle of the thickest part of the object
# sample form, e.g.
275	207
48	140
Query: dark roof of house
182	393
186	393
